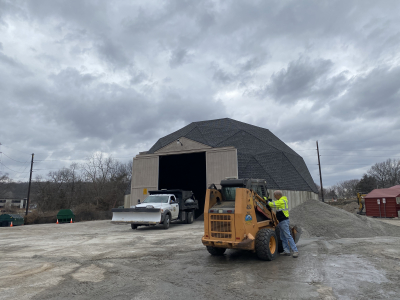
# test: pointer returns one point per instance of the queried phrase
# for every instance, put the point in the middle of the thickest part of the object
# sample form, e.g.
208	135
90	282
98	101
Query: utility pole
29	187
320	175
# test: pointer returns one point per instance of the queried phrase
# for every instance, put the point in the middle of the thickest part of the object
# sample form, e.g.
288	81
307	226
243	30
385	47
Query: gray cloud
300	79
84	76
374	95
114	54
178	57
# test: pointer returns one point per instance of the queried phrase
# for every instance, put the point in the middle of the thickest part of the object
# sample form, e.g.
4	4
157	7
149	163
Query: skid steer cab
237	216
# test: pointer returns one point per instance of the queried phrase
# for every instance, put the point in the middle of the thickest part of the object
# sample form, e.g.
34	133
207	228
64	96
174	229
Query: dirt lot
98	260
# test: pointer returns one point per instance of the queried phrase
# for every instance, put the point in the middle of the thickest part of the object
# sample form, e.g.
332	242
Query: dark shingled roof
260	153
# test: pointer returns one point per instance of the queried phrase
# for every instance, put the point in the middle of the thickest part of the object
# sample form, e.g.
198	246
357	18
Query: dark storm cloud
100	110
84	76
12	65
300	79
113	54
178	57
221	76
374	95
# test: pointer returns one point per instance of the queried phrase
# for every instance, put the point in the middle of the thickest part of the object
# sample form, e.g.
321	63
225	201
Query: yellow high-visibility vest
281	205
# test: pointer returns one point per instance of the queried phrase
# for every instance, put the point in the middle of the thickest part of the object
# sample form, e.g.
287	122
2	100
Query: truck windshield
229	193
156	199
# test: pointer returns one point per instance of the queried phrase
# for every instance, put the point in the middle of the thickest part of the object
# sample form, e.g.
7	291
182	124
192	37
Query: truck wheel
134	226
166	221
266	244
190	217
278	236
216	251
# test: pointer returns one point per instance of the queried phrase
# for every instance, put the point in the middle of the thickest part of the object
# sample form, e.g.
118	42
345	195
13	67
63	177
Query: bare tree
386	173
4	181
346	189
101	181
62	189
108	179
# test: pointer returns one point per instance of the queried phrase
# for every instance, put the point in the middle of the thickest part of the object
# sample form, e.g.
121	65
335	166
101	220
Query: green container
65	215
6	219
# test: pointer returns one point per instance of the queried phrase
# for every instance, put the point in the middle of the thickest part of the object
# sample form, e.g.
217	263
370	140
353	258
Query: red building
384	203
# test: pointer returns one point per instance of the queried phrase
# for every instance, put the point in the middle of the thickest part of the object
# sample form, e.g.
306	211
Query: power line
23	162
16	150
345	164
11	169
46	160
357	155
69	151
359	150
49	169
351	150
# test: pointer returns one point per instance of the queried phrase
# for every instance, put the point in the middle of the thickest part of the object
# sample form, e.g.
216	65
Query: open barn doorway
185	172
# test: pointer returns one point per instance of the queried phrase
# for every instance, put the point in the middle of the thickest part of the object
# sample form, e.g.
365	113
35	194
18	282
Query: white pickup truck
160	207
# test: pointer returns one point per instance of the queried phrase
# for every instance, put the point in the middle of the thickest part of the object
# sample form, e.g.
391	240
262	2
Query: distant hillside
17	190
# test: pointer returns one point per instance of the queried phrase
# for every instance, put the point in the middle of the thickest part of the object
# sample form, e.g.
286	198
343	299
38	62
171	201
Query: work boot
284	253
295	254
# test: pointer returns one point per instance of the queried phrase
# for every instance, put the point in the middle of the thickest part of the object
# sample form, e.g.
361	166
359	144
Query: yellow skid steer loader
237	216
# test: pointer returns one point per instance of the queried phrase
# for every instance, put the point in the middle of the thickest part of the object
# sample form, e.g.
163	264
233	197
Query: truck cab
165	202
160	207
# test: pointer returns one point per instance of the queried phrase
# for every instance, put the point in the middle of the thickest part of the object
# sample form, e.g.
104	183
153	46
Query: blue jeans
286	236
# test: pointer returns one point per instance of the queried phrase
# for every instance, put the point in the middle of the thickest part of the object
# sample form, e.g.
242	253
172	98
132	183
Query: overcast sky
79	77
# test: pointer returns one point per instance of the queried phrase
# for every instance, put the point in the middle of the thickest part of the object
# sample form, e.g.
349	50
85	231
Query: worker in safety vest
282	214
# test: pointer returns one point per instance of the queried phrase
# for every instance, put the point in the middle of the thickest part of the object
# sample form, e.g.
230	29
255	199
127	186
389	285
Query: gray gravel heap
318	219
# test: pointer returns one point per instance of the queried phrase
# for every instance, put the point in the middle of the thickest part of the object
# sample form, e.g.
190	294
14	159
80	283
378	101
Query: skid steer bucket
296	233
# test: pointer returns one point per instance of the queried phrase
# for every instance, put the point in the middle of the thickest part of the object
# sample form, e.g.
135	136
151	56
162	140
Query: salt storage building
206	152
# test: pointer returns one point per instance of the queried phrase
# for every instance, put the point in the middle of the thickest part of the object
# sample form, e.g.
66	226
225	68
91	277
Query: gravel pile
351	207
318	219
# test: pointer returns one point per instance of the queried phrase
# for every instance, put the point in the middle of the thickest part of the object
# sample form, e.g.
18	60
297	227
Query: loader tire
278	236
167	220
134	226
266	244
190	217
216	251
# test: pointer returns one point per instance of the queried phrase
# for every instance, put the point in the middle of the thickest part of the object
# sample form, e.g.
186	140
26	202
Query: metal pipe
384	208
384	205
379	205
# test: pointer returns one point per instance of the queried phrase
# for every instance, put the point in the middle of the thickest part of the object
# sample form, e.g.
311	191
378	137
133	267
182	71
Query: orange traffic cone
71	221
11	225
57	221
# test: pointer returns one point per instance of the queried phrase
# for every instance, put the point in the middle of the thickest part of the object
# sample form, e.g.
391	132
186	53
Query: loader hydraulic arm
261	205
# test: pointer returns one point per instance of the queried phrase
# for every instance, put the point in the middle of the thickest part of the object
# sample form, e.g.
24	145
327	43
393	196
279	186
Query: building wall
220	164
389	210
21	203
184	145
144	177
295	198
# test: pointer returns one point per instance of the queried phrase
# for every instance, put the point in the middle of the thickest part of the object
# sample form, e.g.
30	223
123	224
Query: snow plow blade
150	216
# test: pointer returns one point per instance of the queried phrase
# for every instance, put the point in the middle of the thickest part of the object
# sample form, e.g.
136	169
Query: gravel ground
98	260
318	219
